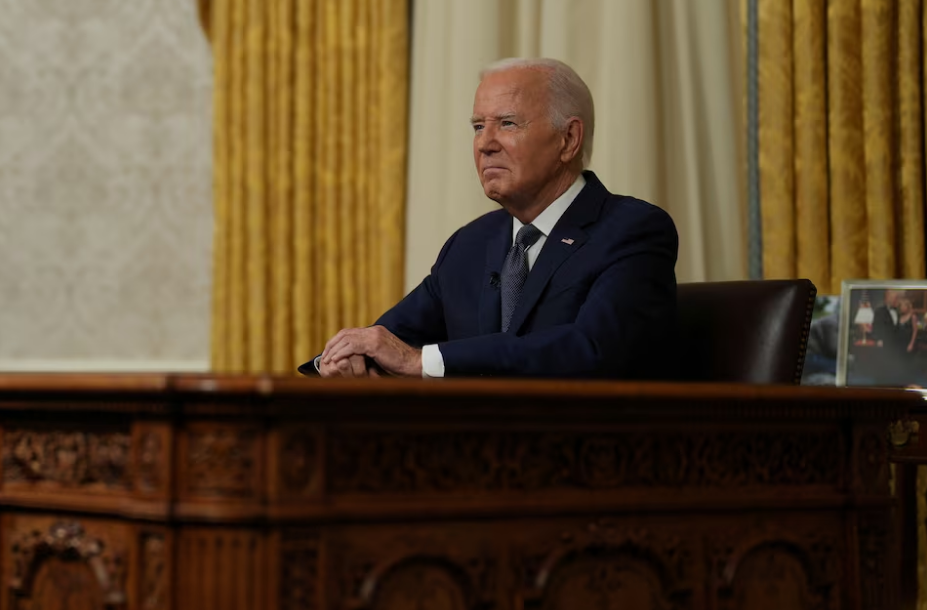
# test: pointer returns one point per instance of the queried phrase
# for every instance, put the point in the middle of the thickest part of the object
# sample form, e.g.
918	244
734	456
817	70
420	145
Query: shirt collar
547	219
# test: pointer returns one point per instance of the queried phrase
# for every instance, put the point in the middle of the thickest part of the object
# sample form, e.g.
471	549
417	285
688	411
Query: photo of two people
886	340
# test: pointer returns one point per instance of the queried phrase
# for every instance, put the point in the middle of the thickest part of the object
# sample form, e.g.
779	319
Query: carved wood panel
67	458
870	457
152	449
788	562
607	580
609	562
155	570
434	462
772	578
296	462
221	461
400	566
299	570
421	585
65	563
64	585
875	561
666	562
221	568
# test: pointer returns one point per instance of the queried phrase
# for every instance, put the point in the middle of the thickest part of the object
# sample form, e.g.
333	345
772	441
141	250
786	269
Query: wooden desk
152	492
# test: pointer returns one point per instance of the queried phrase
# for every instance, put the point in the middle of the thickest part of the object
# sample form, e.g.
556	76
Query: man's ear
572	140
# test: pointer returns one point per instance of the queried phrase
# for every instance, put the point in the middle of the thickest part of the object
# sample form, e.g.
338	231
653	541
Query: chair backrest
750	332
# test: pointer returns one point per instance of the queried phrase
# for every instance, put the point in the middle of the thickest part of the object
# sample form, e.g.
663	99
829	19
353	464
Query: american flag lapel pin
568	242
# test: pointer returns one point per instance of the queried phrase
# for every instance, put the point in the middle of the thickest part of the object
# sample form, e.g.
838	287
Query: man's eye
477	127
508	123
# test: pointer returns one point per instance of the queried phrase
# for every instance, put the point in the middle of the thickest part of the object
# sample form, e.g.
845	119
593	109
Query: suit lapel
491	294
563	242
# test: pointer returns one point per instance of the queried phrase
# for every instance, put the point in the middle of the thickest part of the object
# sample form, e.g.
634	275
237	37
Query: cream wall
105	185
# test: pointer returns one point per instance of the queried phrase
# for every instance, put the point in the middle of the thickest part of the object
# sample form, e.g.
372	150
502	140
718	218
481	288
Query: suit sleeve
621	330
418	319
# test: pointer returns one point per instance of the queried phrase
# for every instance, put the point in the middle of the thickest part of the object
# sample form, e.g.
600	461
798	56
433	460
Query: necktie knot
527	236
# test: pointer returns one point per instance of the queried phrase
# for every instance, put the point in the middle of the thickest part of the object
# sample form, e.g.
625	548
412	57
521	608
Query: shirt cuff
316	363
432	362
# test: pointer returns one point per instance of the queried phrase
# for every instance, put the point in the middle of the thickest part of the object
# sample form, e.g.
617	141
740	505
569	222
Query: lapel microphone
494	280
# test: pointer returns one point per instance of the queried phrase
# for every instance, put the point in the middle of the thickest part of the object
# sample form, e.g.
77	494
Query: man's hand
392	354
351	367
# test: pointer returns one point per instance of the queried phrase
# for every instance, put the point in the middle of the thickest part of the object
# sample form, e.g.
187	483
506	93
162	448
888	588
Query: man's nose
486	140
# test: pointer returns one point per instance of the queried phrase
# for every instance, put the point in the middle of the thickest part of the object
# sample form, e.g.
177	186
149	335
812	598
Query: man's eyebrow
505	116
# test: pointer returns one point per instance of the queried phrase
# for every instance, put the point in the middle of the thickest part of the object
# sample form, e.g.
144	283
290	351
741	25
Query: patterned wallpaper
105	183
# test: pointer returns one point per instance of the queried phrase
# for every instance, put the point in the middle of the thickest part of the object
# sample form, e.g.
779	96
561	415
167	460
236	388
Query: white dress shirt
432	360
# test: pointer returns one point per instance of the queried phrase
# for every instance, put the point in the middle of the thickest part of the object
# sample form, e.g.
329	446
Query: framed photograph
883	340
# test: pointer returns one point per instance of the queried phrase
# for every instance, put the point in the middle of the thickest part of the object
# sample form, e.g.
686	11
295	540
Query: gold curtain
841	139
310	163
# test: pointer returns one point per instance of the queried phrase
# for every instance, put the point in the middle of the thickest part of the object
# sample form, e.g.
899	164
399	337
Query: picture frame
882	335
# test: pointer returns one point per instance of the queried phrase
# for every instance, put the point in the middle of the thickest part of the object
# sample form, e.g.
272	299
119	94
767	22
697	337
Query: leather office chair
749	332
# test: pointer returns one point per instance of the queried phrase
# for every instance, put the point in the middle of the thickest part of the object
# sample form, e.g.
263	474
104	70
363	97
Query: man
885	321
890	367
567	280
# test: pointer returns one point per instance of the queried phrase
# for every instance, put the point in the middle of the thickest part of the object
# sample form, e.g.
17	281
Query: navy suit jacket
600	301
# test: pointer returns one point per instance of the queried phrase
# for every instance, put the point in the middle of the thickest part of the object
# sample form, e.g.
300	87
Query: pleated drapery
665	78
841	137
310	158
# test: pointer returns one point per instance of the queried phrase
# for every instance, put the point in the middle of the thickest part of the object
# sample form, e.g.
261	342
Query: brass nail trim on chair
805	332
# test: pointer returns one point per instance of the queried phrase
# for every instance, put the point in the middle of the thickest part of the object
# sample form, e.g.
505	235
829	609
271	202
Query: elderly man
567	280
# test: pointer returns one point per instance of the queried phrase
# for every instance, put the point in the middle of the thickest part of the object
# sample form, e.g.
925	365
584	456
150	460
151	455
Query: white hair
569	95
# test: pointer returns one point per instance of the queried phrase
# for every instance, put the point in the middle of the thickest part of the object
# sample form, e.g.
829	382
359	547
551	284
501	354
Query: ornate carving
298	461
872	463
804	563
599	554
423	585
71	459
612	580
443	461
67	541
222	462
873	560
404	566
773	577
903	432
150	462
299	556
154	572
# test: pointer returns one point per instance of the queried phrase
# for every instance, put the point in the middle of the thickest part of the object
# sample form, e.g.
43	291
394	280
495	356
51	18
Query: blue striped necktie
515	271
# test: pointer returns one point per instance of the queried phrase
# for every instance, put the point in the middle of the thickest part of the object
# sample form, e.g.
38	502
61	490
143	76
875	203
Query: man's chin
496	196
494	190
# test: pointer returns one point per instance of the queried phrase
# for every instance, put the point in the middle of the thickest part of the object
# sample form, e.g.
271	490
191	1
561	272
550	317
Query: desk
153	492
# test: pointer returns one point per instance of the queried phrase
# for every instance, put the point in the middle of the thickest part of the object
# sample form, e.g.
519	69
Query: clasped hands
346	354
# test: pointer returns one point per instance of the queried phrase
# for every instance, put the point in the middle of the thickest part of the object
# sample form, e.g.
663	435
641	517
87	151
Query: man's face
516	148
891	298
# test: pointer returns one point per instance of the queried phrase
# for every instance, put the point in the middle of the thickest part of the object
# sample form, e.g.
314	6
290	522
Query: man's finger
339	337
347	348
337	344
344	368
358	366
327	370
